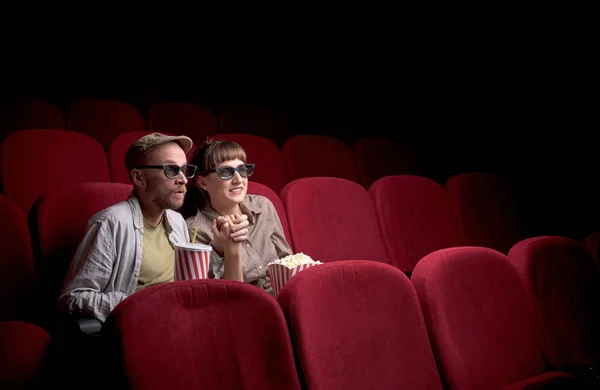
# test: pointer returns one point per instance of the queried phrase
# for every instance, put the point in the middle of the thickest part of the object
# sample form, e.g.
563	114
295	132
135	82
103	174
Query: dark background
507	95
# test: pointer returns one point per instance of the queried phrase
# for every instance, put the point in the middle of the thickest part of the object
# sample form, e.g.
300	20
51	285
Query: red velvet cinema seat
24	352
479	323
202	334
562	286
415	218
358	325
104	119
332	219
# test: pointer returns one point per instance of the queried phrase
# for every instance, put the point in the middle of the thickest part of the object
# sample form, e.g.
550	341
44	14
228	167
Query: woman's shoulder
198	220
258	201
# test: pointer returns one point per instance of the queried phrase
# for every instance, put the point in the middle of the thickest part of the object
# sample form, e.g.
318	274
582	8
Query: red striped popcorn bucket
191	261
280	274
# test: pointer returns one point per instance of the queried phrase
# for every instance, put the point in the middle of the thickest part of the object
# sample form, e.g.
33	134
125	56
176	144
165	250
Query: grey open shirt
106	265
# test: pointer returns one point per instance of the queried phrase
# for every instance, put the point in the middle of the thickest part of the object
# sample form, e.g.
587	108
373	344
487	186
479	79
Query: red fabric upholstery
203	334
377	157
261	151
485	208
116	151
592	244
332	219
60	230
477	318
562	286
24	348
415	218
554	380
261	189
104	119
358	325
35	162
190	119
318	155
34	113
17	275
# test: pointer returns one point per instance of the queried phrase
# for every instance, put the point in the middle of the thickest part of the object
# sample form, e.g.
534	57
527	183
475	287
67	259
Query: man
129	246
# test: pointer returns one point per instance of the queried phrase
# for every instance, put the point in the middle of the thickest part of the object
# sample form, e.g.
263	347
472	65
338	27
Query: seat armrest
86	326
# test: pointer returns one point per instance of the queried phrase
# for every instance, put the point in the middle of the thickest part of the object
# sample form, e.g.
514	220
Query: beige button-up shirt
266	240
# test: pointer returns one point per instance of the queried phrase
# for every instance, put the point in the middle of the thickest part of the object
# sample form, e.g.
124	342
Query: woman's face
224	192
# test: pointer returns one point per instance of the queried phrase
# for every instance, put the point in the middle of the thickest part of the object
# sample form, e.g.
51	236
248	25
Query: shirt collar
248	208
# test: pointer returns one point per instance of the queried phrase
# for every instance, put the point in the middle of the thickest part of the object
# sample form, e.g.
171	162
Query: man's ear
200	182
138	178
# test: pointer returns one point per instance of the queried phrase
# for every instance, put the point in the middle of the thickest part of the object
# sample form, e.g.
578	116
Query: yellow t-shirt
158	256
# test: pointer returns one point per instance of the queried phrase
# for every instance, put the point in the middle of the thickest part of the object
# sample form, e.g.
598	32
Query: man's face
164	192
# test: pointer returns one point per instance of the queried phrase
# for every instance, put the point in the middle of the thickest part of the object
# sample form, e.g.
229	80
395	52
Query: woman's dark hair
213	152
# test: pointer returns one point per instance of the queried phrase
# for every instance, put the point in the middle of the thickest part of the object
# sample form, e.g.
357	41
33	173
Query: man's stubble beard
162	198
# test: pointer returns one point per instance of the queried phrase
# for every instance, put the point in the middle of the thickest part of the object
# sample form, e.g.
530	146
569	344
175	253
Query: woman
256	236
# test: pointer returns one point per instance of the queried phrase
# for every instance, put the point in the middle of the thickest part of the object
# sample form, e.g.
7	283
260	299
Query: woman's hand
237	231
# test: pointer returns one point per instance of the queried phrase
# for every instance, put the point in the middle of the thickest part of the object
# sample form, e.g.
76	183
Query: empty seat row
470	318
462	322
104	119
399	220
107	119
486	205
53	158
339	236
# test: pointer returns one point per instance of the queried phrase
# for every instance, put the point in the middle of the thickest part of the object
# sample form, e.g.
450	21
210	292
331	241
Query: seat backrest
415	218
35	162
485	208
34	113
592	244
17	275
251	119
104	119
261	189
377	157
263	152
30	113
25	353
59	229
332	219
214	334
185	118
477	318
367	324
115	152
562	286
318	155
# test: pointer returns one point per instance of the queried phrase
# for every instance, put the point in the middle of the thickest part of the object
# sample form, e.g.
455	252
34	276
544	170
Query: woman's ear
201	183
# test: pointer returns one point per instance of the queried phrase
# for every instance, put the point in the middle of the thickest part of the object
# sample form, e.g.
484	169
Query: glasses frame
219	171
164	167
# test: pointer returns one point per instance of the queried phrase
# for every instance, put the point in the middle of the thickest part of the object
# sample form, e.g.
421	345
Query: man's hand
239	226
237	231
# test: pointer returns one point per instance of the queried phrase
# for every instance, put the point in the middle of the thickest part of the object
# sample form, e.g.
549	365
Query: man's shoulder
175	217
176	221
118	212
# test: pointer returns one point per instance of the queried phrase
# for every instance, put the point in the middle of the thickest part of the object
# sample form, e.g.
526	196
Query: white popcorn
293	261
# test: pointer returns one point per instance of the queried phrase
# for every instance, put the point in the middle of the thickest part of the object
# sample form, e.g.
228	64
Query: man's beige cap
147	142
